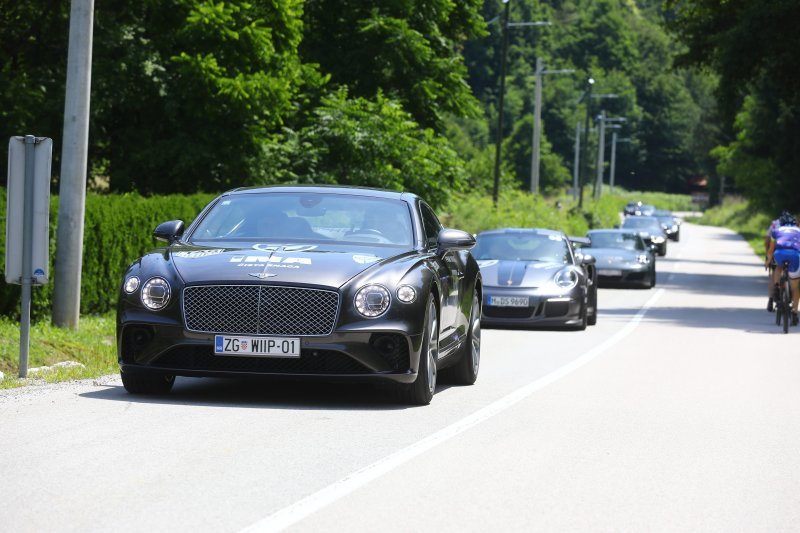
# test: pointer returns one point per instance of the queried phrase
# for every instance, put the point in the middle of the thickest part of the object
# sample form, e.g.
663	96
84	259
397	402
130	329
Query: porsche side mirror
169	231
588	259
455	239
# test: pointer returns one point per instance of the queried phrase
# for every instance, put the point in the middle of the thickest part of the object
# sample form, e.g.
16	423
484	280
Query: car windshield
609	239
522	247
306	217
641	223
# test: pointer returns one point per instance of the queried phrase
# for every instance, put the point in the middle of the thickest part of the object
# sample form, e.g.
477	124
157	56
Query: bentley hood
327	265
504	273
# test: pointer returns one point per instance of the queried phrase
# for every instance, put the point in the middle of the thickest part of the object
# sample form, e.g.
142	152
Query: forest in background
192	96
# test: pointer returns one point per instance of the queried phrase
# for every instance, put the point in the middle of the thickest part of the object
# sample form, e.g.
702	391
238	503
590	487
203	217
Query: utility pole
614	141
72	188
601	148
537	121
499	141
585	171
576	163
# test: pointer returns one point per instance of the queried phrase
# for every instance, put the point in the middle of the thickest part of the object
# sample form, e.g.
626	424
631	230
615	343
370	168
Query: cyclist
784	245
775	224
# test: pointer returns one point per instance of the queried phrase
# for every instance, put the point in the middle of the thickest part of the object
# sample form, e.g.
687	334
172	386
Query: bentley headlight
372	301
131	284
566	279
657	239
155	294
643	259
406	294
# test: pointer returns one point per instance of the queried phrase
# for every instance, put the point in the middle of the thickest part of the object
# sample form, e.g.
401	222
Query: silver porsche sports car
533	278
622	258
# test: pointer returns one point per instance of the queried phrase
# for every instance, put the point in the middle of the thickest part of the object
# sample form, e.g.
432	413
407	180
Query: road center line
312	503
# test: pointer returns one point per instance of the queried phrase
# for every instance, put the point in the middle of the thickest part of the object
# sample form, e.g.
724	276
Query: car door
450	272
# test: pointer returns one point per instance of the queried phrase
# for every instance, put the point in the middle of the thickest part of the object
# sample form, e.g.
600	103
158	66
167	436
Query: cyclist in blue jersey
775	224
785	246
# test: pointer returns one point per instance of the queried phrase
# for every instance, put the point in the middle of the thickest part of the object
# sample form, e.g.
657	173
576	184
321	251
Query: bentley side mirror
169	231
455	239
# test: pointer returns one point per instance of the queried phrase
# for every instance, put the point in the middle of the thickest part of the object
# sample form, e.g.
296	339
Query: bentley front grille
259	310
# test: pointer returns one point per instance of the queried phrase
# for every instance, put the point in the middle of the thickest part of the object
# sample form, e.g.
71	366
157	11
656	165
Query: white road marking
294	513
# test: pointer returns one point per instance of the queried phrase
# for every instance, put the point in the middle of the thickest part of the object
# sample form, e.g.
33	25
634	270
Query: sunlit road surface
679	411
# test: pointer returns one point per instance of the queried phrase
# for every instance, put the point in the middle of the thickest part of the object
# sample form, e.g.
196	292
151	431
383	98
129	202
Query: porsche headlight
155	294
566	279
657	239
131	284
372	301
643	259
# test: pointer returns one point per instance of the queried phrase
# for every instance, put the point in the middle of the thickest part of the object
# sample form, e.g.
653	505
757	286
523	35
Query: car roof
612	230
647	218
325	189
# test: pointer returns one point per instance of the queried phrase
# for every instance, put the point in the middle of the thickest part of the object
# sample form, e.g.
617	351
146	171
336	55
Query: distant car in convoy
535	278
650	229
622	258
670	223
331	283
638	209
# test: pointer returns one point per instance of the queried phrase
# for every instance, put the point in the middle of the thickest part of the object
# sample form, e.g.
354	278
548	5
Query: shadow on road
265	393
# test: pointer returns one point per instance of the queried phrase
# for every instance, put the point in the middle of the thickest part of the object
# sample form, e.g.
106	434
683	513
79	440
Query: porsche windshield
526	246
626	241
642	223
306	217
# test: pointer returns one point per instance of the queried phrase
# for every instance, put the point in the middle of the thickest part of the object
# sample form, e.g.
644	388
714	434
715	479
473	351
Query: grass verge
92	345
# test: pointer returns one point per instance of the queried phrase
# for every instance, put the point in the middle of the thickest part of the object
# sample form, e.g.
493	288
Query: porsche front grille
259	310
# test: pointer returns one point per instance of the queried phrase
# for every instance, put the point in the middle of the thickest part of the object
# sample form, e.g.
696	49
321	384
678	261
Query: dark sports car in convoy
308	282
639	209
650	229
533	277
622	258
670	223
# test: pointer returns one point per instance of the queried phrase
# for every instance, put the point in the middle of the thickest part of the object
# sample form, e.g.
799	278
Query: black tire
420	392
678	236
778	311
592	318
465	371
786	303
653	278
662	250
136	383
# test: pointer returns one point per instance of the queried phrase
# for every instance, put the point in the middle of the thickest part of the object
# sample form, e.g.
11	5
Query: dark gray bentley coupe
535	278
312	282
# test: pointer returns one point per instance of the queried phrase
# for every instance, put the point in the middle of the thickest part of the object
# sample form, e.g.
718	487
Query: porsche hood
505	273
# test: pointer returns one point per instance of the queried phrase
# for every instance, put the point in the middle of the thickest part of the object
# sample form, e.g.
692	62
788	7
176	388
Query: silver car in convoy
535	278
651	231
622	258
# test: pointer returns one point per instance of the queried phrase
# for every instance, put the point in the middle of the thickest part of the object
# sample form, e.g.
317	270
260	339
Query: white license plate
509	301
609	272
257	346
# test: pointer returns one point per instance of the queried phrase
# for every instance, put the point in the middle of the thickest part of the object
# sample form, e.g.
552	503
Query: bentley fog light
406	294
566	279
155	294
131	284
372	301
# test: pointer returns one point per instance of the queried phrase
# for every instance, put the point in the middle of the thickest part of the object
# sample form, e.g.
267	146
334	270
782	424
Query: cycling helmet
787	219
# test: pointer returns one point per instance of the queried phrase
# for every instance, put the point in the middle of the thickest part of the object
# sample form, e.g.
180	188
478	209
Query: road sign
39	156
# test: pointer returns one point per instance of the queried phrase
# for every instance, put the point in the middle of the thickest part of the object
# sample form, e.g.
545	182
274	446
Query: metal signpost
27	225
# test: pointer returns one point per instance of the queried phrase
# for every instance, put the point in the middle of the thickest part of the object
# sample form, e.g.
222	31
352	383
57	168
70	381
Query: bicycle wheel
778	310
786	304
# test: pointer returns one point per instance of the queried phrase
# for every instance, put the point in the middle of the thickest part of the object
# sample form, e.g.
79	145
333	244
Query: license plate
609	272
257	346
509	301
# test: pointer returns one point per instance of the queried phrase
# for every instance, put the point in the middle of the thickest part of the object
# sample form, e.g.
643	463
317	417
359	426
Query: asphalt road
679	411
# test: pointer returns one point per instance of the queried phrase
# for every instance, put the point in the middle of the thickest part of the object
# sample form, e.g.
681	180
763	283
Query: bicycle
783	306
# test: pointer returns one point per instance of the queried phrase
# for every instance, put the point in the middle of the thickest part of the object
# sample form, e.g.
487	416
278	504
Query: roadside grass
91	345
741	218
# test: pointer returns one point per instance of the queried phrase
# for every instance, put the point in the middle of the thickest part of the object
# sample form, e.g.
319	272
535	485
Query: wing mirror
587	259
169	231
455	239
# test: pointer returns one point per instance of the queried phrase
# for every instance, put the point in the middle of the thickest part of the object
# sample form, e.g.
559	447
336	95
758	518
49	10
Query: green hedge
117	230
